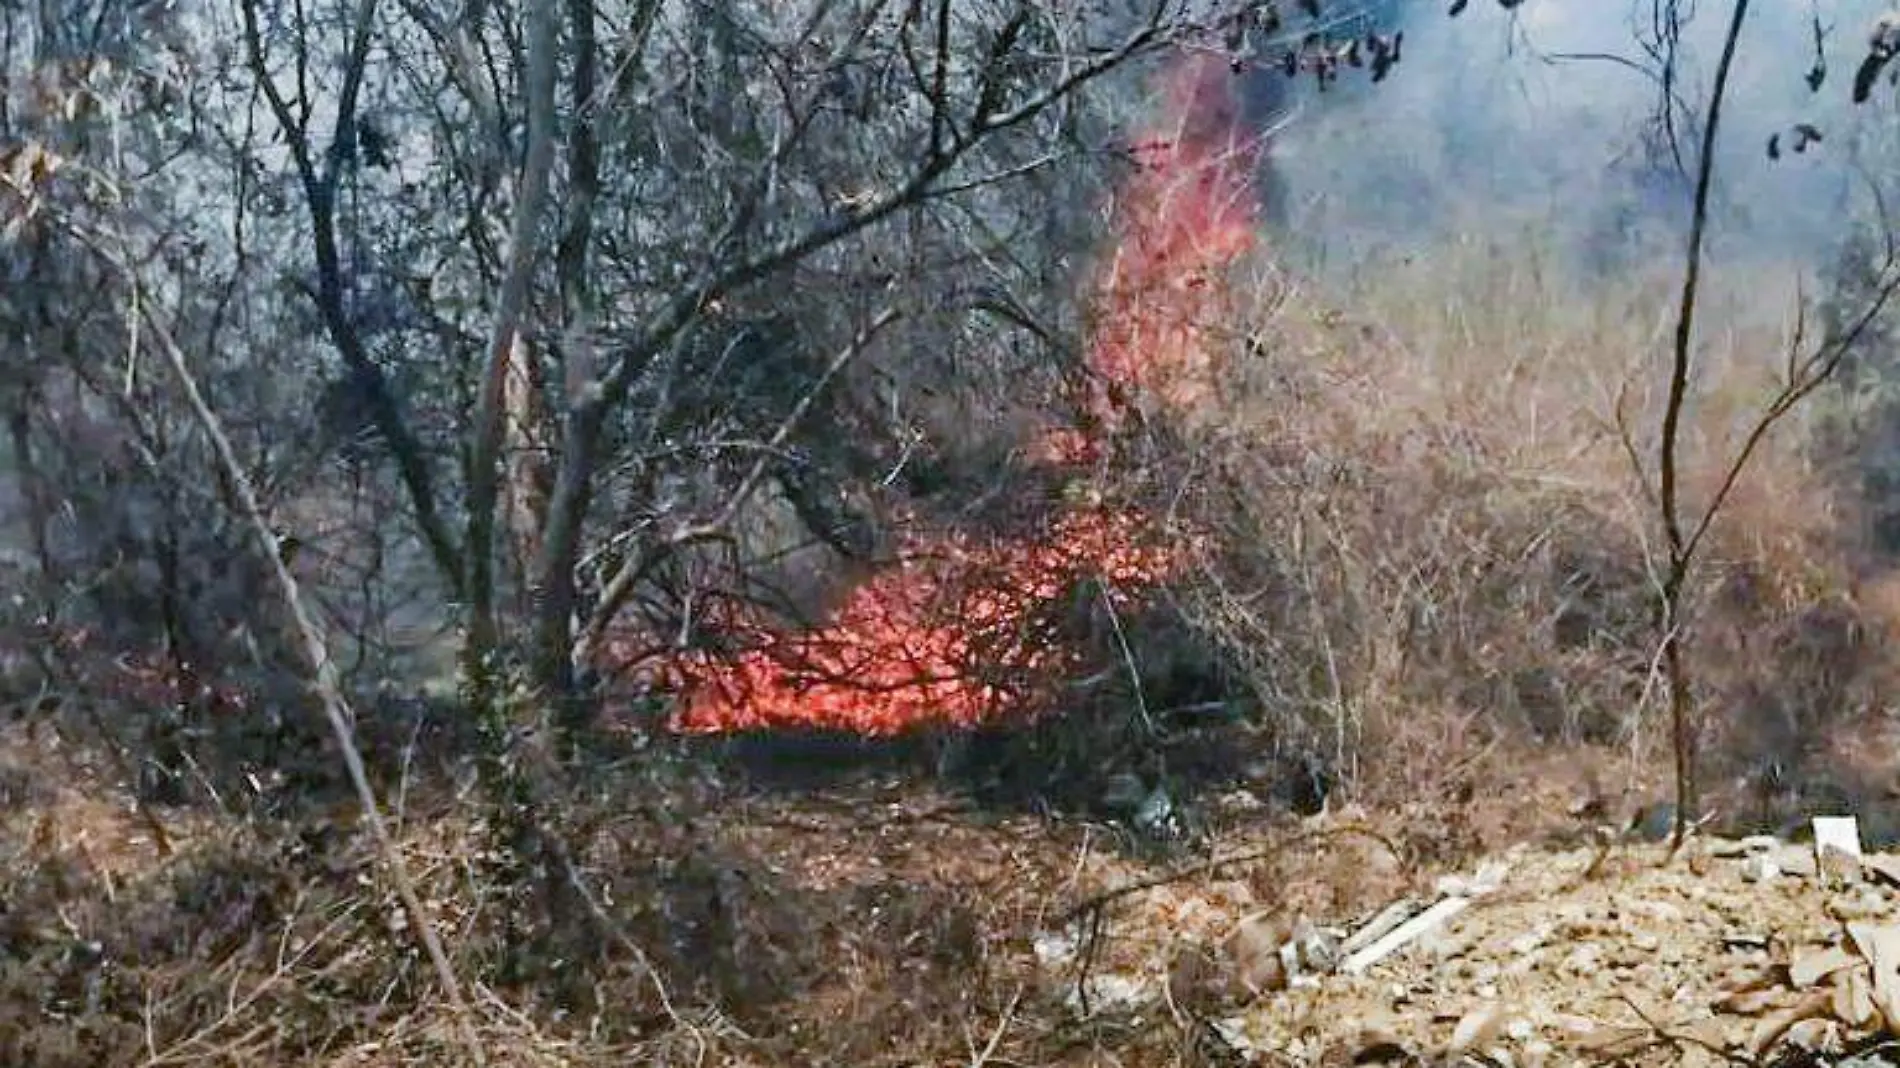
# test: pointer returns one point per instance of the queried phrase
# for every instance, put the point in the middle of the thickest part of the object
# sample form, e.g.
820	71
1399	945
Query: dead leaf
1853	998
22	162
1576	1025
1773	1027
1608	1040
1838	865
1708	1032
1885	866
1192	977
1478	1029
1255	950
1746	977
1751	1002
1815	1035
1881	947
1813	966
1378	1045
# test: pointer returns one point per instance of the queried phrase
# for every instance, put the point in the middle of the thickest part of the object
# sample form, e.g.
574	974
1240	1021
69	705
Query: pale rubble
1624	952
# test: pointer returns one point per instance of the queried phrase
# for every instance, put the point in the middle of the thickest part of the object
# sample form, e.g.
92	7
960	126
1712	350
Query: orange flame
958	632
1189	214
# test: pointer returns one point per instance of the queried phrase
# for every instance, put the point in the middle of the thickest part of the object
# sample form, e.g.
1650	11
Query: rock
1760	868
1317	948
1730	848
1793	859
1869	904
1586	959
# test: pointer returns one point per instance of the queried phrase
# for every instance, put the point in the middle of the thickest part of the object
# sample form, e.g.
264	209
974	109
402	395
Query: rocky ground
1729	951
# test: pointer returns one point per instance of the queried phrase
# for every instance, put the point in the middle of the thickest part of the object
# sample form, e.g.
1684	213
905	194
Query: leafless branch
618	587
309	632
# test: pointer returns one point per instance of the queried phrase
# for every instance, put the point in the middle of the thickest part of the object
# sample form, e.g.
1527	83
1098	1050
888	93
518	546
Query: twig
1683	1038
1002	1028
611	926
1135	685
620	586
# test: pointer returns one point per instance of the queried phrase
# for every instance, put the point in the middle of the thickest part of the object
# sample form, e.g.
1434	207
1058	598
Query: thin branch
323	670
319	188
1814	373
614	595
719	281
484	455
1682	719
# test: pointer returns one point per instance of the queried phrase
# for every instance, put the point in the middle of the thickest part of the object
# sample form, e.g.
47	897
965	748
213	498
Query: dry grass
1437	531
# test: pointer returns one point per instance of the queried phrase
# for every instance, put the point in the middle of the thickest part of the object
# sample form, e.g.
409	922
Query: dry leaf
1838	865
1613	1041
1885	866
1746	977
1378	1045
1576	1025
1815	1035
1813	966
1476	1030
1751	1002
1707	1032
22	163
1773	1027
1881	947
1192	976
1255	948
1853	998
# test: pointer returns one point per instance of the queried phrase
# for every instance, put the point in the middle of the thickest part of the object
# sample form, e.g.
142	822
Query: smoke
1536	121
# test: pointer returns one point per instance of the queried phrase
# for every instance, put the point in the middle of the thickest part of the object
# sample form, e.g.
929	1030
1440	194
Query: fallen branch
987	1055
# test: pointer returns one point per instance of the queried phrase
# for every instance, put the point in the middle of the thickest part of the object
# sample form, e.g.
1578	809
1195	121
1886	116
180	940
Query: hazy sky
1480	116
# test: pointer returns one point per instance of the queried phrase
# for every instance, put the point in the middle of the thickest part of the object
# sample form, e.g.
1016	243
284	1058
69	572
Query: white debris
1836	832
1404	934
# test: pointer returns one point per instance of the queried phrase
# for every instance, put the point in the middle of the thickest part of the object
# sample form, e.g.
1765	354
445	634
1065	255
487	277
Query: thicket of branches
531	320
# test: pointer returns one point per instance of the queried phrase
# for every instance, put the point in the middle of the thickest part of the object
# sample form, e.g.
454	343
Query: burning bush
961	630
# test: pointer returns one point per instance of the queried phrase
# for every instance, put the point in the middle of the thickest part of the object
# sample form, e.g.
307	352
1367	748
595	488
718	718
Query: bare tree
1809	364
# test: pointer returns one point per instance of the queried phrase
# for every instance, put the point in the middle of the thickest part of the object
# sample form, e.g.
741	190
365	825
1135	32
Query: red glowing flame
958	632
1189	214
954	633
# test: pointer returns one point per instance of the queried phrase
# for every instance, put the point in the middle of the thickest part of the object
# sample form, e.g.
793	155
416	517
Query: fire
957	631
1189	214
953	633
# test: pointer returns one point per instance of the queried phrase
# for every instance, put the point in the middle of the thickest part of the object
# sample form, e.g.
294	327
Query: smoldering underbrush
1429	543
